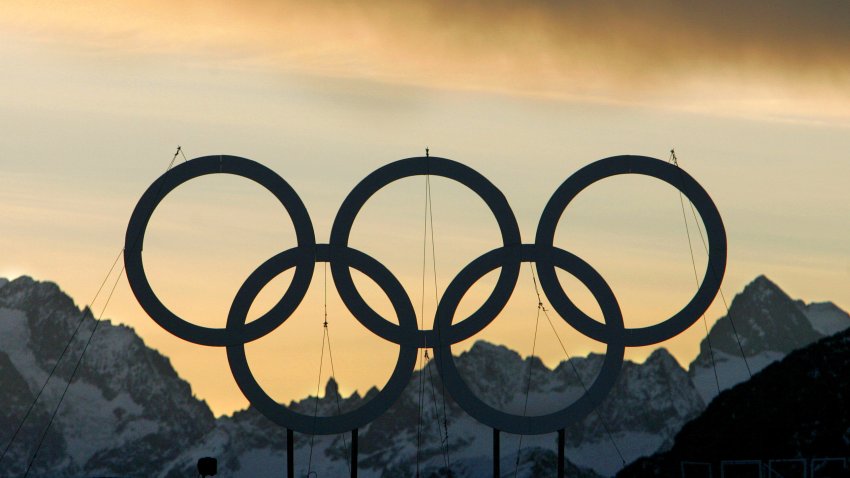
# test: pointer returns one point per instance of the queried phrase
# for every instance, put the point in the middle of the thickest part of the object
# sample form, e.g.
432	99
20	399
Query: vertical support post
354	453
496	452
290	454
562	439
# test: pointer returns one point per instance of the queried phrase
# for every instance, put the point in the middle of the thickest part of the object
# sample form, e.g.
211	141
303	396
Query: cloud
762	53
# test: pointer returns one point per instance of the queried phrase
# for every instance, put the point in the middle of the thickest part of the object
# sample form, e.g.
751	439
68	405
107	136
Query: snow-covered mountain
769	325
128	412
648	406
825	317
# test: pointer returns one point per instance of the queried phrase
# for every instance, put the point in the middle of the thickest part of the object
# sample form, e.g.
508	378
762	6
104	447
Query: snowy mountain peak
663	357
28	293
763	324
763	289
826	317
486	350
25	281
125	397
764	319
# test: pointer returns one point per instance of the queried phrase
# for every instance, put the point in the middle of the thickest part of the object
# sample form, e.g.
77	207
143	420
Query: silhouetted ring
353	203
594	393
279	413
134	242
679	179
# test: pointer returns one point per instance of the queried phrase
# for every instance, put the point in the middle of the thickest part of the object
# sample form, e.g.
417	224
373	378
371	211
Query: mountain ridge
113	410
647	407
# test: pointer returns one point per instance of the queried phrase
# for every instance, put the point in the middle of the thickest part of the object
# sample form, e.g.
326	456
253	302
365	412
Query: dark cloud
603	48
785	36
572	46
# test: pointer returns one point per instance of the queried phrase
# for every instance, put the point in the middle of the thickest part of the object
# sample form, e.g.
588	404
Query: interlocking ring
680	180
135	238
282	415
446	332
356	199
531	425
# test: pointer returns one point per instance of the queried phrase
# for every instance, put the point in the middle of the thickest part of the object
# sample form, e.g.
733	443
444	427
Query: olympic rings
446	332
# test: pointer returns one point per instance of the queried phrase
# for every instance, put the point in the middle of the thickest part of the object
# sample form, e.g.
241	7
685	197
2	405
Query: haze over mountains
128	413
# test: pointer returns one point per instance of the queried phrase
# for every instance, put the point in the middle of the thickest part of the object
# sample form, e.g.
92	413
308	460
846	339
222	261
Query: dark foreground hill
795	408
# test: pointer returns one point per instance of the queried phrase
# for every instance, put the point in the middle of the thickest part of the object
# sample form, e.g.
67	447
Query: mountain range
128	412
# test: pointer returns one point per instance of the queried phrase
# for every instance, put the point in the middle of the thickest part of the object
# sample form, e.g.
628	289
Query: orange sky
97	95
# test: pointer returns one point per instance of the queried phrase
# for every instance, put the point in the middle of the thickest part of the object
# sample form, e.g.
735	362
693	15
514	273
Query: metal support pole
354	453
290	454
562	439
496	470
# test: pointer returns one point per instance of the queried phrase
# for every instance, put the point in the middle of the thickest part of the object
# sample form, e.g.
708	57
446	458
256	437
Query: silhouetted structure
207	466
406	334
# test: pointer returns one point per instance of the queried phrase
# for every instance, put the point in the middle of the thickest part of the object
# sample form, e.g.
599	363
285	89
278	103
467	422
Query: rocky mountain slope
126	410
647	407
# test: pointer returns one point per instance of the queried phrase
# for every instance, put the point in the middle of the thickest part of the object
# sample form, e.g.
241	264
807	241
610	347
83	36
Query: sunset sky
96	96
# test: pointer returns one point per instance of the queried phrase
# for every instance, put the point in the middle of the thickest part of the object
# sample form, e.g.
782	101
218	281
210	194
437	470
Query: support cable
419	358
573	366
675	161
445	421
722	295
316	406
425	362
443	443
83	313
425	359
180	148
528	382
73	336
333	371
419	422
73	373
174	158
